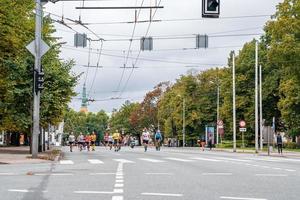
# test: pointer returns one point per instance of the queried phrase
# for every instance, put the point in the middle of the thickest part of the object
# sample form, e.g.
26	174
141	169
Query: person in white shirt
145	138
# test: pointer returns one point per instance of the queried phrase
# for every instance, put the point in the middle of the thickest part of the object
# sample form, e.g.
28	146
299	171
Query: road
171	174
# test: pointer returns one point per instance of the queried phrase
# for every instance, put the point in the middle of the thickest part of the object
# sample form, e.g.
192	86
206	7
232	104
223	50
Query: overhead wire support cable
120	7
137	58
129	48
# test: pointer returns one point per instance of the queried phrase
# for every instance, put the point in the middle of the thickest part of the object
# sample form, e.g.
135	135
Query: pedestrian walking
93	140
210	142
279	143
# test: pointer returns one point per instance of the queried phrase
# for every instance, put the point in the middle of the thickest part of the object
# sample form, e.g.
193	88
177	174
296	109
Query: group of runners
114	140
84	142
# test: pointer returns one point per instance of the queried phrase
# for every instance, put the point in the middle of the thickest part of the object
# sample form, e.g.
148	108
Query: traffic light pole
37	68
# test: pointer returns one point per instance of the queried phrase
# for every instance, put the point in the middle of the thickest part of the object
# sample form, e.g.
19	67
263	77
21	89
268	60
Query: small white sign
243	129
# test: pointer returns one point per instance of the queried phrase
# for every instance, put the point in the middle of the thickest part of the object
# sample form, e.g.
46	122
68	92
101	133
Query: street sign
243	129
242	124
31	48
201	41
146	43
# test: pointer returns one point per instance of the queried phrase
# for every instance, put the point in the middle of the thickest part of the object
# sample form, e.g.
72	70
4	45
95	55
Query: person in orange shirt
93	140
88	141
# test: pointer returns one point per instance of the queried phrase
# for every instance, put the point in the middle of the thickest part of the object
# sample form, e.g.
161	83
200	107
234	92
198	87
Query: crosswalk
248	161
162	160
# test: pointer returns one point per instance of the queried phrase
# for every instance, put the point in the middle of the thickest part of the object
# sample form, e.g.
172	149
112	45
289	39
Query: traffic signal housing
210	8
39	80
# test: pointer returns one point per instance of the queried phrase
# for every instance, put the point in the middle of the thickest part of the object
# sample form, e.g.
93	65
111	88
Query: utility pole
183	123
218	114
260	109
256	96
233	103
37	67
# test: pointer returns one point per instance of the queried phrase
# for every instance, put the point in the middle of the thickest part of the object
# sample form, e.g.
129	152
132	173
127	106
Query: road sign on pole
242	124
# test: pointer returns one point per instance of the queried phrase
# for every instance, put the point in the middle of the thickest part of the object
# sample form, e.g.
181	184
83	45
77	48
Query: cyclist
158	139
93	140
145	138
71	141
116	137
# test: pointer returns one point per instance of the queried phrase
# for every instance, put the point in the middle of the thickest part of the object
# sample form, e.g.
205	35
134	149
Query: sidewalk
21	155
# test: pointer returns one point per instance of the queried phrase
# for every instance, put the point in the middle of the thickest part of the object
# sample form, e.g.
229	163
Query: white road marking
233	159
119	177
206	159
7	174
92	174
54	174
66	162
123	161
23	191
151	160
277	168
241	198
290	170
272	175
119	181
161	194
118	185
217	174
117	198
118	190
93	192
95	161
159	173
179	159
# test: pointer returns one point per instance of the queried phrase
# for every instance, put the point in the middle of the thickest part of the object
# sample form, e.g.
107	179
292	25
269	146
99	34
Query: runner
93	140
110	142
106	139
145	138
88	141
158	139
71	141
81	141
116	137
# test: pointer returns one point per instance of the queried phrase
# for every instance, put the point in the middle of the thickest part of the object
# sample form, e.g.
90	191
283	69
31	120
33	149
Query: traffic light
39	80
211	8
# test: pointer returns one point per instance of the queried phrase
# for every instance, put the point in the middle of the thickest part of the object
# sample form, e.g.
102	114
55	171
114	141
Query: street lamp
183	120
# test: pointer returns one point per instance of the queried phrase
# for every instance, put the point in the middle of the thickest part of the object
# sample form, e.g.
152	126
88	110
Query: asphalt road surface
171	174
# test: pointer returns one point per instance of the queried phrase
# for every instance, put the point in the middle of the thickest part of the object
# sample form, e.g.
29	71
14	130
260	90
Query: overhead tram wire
130	44
97	67
136	60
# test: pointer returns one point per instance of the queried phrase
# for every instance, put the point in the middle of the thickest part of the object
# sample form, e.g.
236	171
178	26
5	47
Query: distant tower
84	108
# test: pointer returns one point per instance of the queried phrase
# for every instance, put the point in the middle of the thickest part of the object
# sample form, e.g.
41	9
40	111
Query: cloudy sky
173	43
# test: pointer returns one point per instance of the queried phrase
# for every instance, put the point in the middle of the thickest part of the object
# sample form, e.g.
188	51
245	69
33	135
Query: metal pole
256	97
233	106
260	109
218	106
37	67
183	124
268	132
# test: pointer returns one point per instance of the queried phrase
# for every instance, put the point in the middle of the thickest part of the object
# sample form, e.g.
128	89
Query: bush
291	145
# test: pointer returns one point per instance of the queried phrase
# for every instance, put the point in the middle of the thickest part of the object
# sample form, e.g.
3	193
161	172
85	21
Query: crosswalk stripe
206	159
233	159
95	161
151	160
66	162
123	161
179	159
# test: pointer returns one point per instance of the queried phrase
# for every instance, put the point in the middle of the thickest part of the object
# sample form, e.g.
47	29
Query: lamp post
183	120
218	106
